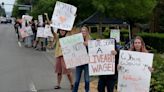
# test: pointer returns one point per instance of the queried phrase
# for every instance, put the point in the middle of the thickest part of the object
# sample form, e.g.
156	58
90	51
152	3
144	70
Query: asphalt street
25	69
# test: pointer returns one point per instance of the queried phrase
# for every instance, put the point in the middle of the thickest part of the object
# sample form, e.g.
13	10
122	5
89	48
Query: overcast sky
8	8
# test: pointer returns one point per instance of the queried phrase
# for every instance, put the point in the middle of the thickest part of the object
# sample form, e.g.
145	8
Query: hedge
155	40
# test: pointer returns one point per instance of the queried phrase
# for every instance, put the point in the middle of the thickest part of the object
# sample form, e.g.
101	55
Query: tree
18	13
130	10
157	19
43	6
84	8
2	11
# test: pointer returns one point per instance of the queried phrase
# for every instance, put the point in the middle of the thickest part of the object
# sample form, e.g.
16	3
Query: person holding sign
139	45
60	67
109	80
79	69
136	59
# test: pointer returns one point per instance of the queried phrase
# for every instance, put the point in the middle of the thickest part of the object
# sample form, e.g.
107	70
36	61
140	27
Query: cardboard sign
115	33
63	16
23	33
134	75
102	62
28	30
47	31
74	51
40	32
27	18
40	19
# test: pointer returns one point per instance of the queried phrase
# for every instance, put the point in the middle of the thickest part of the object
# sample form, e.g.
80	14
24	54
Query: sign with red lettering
134	75
74	51
63	16
102	62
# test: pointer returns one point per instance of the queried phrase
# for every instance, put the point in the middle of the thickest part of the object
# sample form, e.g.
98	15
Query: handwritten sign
47	31
134	75
40	32
23	33
28	30
40	19
74	51
115	33
63	16
102	62
27	18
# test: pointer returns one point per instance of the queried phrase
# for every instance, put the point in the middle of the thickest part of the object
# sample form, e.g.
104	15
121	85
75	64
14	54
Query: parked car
5	20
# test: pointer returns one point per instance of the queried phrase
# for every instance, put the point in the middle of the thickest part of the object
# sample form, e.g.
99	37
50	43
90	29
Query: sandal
71	87
57	87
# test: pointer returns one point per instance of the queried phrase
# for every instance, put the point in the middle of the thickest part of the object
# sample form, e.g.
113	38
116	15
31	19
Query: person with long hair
139	46
79	69
60	67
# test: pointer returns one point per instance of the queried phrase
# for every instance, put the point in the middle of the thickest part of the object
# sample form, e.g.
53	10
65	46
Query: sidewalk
94	81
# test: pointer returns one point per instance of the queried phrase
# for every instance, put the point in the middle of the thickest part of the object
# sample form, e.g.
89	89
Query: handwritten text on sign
134	75
102	62
63	16
74	51
40	32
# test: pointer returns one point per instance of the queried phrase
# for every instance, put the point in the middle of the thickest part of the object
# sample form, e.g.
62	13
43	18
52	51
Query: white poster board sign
74	51
47	31
40	19
27	18
40	32
63	16
28	30
134	75
102	62
115	33
23	33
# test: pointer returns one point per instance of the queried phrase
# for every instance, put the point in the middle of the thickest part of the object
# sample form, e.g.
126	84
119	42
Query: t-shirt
58	50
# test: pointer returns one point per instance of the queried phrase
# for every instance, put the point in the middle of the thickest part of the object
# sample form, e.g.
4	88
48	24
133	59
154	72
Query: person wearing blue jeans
85	32
79	70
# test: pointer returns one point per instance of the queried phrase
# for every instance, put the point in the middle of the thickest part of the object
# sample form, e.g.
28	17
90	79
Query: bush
155	40
157	80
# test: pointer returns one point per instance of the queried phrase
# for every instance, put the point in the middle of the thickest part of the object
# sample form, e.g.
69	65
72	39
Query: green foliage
43	6
154	40
157	80
133	10
2	12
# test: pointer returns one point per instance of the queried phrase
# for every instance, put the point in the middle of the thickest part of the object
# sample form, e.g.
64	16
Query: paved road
24	69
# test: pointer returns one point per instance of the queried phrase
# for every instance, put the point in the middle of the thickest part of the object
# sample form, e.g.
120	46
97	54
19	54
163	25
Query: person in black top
109	81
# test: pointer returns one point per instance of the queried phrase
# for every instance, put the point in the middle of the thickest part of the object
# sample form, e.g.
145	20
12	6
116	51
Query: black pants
17	32
106	81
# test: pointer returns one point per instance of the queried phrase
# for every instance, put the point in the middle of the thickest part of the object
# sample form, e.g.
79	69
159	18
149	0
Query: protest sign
102	62
74	51
23	33
63	16
27	18
115	33
134	75
47	31
40	32
28	30
40	19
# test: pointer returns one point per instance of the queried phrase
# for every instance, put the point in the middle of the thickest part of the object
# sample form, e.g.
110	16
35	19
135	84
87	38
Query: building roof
95	19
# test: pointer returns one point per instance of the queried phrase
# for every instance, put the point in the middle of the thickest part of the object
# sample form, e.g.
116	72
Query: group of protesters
31	39
104	81
41	43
